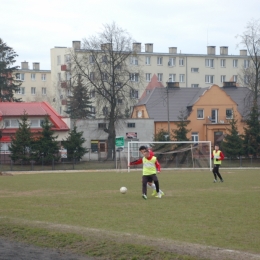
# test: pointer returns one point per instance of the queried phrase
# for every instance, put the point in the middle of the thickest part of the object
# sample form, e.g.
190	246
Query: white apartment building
36	84
190	70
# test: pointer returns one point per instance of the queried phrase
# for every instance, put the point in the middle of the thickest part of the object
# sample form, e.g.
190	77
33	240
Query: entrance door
218	137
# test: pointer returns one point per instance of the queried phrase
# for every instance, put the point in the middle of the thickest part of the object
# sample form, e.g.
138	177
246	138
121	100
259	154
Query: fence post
240	159
52	163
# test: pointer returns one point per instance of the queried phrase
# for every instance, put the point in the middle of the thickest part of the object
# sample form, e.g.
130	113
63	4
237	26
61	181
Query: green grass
194	210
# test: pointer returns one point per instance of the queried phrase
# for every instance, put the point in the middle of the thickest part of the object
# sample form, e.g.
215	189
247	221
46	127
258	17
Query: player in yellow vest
217	156
150	166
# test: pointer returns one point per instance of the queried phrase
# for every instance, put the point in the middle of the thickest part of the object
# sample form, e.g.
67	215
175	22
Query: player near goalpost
150	164
217	156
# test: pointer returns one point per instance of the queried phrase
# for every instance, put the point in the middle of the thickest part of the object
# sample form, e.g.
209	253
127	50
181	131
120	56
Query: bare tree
250	75
108	64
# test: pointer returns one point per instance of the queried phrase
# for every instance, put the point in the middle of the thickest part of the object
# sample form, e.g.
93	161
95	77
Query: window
104	59
182	77
131	125
58	60
33	90
222	78
181	62
148	60
159	60
43	77
148	77
36	122
94	146
120	101
104	76
246	63
67	58
209	63
171	62
200	113
235	63
133	60
105	111
246	79
229	113
93	109
69	93
195	70
194	85
172	77
134	93
235	78
59	76
195	137
44	91
68	75
223	63
11	123
21	90
134	77
92	93
33	76
209	78
102	125
20	76
160	77
91	59
92	76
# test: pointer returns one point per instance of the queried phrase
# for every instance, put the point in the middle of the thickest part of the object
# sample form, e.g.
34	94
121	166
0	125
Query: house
208	110
11	112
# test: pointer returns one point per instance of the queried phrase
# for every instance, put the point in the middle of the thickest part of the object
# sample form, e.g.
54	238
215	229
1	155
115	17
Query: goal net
175	154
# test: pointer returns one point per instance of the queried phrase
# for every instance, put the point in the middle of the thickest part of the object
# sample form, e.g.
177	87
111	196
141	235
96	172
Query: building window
94	146
172	77
93	110
148	60
209	79
235	63
67	58
36	122
131	125
246	64
134	77
181	62
20	76
148	77
21	91
58	60
119	101
68	76
159	60
222	78
160	77
33	90
133	93
33	76
200	113
195	70
104	76
246	79
182	77
229	113
133	60
194	85
171	62
104	59
195	137
92	93
11	123
92	76
91	59
235	78
222	63
102	126
209	63
59	76
43	77
44	91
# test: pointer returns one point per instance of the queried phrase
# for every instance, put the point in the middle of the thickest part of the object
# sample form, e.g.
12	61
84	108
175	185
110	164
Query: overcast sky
33	27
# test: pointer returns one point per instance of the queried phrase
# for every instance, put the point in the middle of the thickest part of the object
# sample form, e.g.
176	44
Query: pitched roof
33	109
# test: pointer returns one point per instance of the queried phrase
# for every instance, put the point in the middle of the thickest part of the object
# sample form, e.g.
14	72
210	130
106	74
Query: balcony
218	121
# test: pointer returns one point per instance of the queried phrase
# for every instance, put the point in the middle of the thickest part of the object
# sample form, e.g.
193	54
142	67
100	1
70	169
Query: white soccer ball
123	190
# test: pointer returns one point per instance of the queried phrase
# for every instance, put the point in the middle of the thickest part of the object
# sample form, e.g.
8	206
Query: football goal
175	154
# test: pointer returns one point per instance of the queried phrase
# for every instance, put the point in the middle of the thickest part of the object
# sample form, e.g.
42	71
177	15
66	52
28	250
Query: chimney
211	50
243	52
24	65
149	47
36	66
223	50
106	46
137	47
76	45
173	50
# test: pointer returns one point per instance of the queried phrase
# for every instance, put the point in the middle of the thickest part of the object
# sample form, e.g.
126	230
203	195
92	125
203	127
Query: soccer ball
123	190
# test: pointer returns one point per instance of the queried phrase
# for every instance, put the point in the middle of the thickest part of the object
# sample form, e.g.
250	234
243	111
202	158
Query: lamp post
168	110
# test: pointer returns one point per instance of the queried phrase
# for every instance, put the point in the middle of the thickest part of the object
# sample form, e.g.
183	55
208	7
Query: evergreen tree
8	84
21	145
162	135
79	104
74	144
45	147
252	132
180	134
232	144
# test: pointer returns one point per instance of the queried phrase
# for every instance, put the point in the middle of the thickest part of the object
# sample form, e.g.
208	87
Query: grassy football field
84	212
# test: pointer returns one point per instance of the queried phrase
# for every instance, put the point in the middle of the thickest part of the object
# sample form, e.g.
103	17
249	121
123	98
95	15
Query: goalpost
175	154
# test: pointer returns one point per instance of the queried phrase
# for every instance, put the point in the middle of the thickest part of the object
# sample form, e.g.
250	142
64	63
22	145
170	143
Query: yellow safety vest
216	156
149	166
